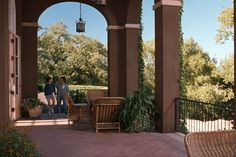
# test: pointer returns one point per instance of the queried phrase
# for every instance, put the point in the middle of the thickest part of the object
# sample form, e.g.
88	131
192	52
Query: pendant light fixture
80	25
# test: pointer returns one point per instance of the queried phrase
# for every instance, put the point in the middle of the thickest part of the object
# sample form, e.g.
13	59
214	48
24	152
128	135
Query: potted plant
33	106
138	112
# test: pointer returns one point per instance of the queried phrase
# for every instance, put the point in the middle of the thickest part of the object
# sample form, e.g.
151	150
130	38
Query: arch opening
82	58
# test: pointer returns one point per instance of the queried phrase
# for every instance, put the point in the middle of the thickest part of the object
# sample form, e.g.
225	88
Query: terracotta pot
35	112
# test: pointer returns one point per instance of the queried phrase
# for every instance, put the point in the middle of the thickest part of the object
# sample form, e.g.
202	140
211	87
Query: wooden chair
92	95
73	111
211	144
106	112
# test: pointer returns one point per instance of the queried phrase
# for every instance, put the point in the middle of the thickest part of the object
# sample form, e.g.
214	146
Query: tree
81	59
197	65
226	21
227	70
88	62
202	79
149	68
53	47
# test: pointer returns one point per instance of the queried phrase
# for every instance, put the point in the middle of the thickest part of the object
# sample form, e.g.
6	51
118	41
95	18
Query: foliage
226	21
85	87
81	59
14	143
89	62
181	43
227	70
140	51
138	113
201	78
198	67
31	103
40	87
53	45
149	68
24	112
78	96
203	81
209	93
78	92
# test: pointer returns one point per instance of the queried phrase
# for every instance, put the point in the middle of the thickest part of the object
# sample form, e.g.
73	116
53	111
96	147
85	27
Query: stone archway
122	45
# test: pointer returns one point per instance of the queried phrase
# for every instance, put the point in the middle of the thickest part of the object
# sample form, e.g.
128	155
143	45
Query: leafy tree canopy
202	79
226	22
81	59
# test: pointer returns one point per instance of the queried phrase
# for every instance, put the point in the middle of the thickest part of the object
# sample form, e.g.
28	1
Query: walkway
63	141
55	138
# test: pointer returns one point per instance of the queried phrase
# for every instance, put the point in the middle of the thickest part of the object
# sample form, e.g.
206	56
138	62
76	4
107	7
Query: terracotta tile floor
63	141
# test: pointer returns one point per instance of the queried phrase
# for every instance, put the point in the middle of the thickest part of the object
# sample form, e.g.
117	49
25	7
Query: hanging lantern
80	25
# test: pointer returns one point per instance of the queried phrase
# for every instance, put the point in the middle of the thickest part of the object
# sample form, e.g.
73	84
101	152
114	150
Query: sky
199	22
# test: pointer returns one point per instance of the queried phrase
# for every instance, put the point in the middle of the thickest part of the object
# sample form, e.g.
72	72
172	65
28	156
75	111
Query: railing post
177	114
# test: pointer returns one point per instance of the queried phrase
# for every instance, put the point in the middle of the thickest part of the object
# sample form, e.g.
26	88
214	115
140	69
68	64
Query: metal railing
195	116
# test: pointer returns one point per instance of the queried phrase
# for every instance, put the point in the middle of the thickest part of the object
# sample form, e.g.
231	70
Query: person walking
49	90
62	88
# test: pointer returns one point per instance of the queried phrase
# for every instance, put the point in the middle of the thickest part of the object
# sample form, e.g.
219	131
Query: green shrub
40	87
138	113
81	96
78	96
14	143
31	103
24	112
78	92
85	87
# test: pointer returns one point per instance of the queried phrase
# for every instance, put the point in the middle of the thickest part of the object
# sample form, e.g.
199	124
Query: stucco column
123	59
167	61
4	63
116	49
29	59
131	57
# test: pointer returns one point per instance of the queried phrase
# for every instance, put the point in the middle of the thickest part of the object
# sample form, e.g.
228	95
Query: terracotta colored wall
131	57
29	62
4	62
116	50
18	17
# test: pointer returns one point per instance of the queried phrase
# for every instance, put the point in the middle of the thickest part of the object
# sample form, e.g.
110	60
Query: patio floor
64	141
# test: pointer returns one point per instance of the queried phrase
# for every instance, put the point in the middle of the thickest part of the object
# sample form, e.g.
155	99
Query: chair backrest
107	108
92	95
211	144
69	101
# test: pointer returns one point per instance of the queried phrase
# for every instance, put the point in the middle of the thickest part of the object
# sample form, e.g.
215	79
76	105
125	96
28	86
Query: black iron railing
195	116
